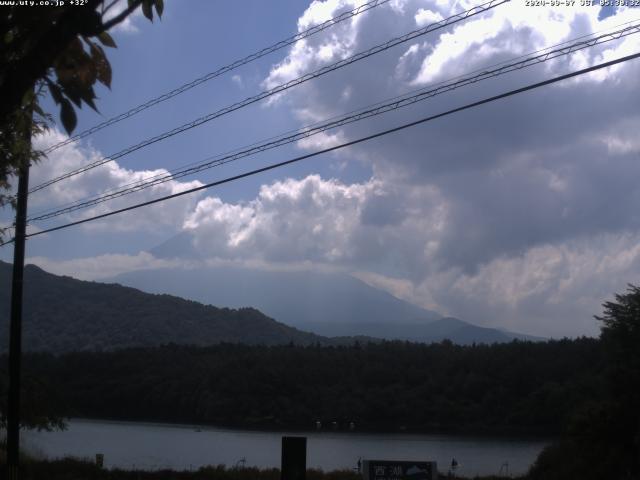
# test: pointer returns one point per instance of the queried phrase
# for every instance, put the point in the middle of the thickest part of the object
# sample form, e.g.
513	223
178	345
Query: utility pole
15	328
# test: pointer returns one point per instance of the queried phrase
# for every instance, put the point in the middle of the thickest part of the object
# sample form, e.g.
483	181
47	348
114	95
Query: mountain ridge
328	304
63	314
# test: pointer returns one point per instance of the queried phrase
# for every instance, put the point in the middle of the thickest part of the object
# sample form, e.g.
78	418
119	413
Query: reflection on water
153	446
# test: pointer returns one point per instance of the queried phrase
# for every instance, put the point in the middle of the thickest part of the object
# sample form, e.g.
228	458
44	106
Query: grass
71	468
77	469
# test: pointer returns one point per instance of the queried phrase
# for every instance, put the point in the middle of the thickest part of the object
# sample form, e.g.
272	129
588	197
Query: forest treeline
390	386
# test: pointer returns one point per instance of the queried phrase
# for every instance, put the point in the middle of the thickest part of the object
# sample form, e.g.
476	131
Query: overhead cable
367	112
343	145
221	71
278	89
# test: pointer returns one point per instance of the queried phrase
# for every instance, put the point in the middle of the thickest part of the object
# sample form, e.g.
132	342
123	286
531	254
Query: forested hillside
62	314
392	386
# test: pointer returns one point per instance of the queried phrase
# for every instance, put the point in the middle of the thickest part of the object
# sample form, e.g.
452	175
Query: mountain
329	304
63	314
454	329
294	297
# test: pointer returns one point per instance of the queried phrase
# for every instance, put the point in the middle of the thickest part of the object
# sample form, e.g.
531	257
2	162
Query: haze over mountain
63	314
331	304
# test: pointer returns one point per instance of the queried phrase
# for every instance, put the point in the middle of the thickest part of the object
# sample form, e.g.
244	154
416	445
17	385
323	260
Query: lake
148	446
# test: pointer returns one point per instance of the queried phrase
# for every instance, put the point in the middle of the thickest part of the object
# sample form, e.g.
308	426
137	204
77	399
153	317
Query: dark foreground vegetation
71	469
74	469
585	390
519	387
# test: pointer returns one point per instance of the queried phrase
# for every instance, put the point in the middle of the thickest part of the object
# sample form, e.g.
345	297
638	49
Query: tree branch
35	63
105	9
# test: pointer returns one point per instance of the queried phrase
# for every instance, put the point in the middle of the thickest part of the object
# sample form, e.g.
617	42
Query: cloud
425	16
102	266
520	214
529	170
101	180
128	25
510	197
548	290
551	290
107	266
398	239
237	79
355	226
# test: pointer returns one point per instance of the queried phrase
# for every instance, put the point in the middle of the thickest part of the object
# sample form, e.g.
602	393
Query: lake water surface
152	446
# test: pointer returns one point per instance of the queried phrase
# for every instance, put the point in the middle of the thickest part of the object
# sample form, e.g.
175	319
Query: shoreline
445	433
150	445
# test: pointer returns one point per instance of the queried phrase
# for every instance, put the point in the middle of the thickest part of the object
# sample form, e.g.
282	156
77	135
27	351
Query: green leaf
159	7
146	9
55	91
107	40
8	37
68	116
73	93
88	95
38	109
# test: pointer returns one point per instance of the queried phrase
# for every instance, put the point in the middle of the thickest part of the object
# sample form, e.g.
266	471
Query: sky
520	214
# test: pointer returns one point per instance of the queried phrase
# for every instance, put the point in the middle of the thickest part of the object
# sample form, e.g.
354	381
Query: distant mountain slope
63	314
293	297
454	329
327	304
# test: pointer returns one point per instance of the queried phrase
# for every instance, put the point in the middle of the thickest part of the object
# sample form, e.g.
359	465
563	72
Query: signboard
398	470
294	458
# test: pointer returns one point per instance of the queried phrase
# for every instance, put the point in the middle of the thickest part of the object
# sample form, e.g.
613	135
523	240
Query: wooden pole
15	328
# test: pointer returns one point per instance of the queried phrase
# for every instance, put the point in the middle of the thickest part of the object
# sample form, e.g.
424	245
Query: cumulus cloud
521	214
381	236
98	181
520	200
395	239
320	221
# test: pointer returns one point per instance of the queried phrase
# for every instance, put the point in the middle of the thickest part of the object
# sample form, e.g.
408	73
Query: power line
221	71
171	174
310	126
313	125
280	88
346	144
371	111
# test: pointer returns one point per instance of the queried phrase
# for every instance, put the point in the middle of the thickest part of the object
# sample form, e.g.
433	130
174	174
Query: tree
620	335
41	406
59	50
603	436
